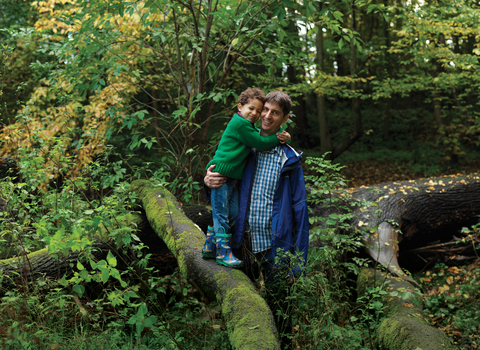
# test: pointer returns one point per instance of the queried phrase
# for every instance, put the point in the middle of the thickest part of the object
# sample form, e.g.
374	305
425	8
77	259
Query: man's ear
286	118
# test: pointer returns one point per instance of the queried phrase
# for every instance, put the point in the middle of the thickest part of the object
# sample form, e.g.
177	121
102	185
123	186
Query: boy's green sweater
238	139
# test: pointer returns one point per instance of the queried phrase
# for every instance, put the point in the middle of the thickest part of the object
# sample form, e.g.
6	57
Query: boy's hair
251	94
283	100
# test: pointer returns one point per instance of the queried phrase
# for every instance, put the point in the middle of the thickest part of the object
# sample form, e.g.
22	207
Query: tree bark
41	263
298	102
250	323
325	140
44	264
417	210
357	116
387	119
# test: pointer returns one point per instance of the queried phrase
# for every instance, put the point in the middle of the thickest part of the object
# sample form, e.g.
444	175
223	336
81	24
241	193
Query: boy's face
251	110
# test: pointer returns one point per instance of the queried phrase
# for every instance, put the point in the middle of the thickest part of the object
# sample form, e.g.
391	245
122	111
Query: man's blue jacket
290	212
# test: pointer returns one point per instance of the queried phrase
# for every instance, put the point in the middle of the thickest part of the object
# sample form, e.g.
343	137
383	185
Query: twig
83	311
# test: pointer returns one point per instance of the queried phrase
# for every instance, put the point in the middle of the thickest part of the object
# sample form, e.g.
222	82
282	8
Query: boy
229	160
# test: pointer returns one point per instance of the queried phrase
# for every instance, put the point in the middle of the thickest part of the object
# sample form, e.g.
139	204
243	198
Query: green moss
403	333
247	314
30	257
167	219
405	327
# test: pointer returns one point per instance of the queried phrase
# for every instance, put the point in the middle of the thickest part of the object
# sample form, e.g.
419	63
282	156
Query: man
273	213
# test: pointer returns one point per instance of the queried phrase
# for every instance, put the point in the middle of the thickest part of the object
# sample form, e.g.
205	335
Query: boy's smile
251	110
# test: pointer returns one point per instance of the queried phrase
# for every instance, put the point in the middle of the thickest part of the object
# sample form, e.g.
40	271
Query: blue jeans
225	206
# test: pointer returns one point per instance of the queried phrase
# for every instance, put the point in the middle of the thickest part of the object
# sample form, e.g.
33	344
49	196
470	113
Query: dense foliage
95	93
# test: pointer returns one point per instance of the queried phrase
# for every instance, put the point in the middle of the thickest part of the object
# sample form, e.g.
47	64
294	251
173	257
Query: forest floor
371	172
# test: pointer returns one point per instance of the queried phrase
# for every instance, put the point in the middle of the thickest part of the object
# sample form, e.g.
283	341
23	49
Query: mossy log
416	210
249	321
41	263
406	326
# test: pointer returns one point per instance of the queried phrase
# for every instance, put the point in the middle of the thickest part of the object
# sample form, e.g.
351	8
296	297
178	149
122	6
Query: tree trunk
405	325
357	117
437	109
156	126
419	211
41	263
387	120
298	103
250	323
325	140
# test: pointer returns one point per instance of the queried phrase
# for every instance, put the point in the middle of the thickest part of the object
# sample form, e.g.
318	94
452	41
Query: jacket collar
290	156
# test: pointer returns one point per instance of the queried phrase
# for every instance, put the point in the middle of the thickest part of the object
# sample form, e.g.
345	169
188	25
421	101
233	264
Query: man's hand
214	180
283	137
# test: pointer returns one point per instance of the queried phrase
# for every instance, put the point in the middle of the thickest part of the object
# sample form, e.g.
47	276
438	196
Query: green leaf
218	97
111	259
105	274
80	266
132	319
340	43
192	115
79	289
149	321
142	310
377	305
338	15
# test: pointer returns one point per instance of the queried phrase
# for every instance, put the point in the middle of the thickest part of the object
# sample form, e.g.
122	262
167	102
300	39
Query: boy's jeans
225	206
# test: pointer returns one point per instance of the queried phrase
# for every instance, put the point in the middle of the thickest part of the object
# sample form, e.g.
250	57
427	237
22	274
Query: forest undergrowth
451	297
123	302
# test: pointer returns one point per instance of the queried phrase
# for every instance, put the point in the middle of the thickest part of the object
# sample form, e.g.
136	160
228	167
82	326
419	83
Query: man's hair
251	94
283	100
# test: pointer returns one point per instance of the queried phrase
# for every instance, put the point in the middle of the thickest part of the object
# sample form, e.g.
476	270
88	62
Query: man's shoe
225	256
208	251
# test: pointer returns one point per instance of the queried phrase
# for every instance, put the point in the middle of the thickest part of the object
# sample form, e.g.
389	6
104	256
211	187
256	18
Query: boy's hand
283	136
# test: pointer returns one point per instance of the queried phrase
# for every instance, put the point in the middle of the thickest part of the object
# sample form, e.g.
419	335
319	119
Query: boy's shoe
208	251
225	256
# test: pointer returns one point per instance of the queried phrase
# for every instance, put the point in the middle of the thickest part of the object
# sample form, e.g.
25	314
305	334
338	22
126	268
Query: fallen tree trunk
406	326
249	321
41	263
416	210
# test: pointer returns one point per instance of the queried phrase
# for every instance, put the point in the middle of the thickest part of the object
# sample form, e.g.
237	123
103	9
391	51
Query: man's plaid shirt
269	164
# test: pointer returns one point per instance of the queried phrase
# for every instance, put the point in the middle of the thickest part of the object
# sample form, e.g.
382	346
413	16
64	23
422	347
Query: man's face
272	118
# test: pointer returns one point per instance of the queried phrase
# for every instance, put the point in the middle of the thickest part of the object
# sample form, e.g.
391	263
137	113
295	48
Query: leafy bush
118	301
327	316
